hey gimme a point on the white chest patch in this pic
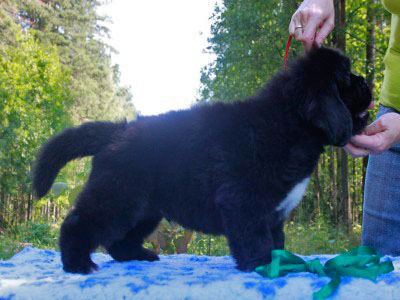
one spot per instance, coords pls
(293, 197)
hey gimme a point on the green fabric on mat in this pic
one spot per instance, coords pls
(361, 262)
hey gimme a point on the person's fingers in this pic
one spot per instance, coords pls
(291, 27)
(381, 134)
(308, 36)
(355, 151)
(327, 27)
(374, 143)
(295, 20)
(374, 127)
(295, 27)
(317, 18)
(296, 31)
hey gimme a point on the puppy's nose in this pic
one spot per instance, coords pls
(371, 105)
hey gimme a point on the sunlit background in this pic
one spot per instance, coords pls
(160, 48)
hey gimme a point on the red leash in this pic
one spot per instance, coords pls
(285, 61)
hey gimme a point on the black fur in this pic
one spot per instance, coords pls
(218, 168)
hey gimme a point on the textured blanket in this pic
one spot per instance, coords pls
(37, 274)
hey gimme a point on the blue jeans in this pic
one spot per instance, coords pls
(381, 214)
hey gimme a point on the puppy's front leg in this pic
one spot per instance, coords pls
(278, 236)
(247, 228)
(250, 242)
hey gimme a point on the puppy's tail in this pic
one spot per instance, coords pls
(87, 139)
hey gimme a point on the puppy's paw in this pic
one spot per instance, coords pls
(251, 265)
(140, 253)
(148, 255)
(86, 267)
(145, 254)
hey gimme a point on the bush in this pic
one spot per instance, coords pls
(203, 244)
(8, 246)
(15, 238)
(320, 238)
(304, 239)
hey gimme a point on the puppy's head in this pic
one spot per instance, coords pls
(333, 100)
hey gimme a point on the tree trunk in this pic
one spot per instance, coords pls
(339, 36)
(318, 190)
(345, 213)
(370, 39)
(333, 192)
(345, 217)
(30, 201)
(2, 209)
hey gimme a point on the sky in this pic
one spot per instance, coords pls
(161, 49)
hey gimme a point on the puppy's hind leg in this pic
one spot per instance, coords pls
(77, 241)
(130, 247)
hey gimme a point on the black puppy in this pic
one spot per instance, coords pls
(232, 169)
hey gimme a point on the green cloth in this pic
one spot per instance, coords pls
(361, 262)
(390, 93)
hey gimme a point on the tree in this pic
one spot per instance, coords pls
(55, 71)
(76, 29)
(248, 38)
(34, 92)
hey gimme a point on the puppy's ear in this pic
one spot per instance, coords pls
(326, 111)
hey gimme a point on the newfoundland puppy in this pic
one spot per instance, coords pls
(234, 169)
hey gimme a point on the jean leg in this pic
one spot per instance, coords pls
(381, 214)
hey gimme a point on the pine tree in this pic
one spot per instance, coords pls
(74, 26)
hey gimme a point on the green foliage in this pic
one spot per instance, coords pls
(8, 246)
(65, 189)
(8, 28)
(34, 92)
(38, 235)
(248, 39)
(55, 71)
(203, 244)
(304, 239)
(357, 37)
(320, 238)
(301, 238)
(169, 238)
(76, 29)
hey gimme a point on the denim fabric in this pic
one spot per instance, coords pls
(381, 214)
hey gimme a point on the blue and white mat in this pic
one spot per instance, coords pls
(37, 274)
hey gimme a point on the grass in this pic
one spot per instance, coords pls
(305, 239)
(41, 235)
(320, 238)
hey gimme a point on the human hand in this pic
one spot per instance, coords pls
(377, 137)
(311, 16)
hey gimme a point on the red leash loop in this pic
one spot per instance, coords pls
(285, 62)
